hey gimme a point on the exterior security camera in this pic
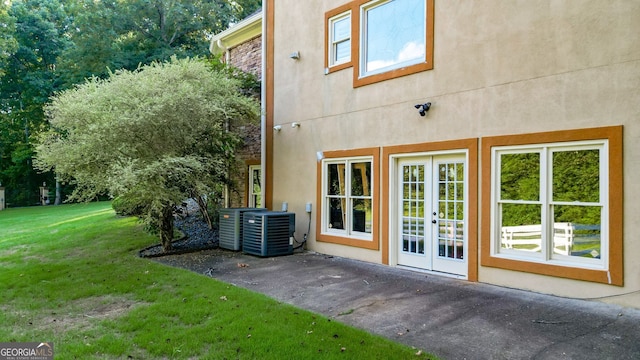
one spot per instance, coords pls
(423, 108)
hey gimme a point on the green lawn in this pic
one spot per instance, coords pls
(70, 274)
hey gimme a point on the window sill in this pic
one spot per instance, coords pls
(338, 67)
(552, 269)
(371, 244)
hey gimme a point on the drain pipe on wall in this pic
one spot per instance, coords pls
(307, 208)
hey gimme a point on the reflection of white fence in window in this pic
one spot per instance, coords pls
(529, 237)
(451, 238)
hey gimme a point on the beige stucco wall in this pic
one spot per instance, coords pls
(499, 68)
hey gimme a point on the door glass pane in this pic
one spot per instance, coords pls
(521, 227)
(459, 210)
(520, 176)
(450, 231)
(459, 172)
(576, 175)
(577, 231)
(459, 190)
(451, 172)
(451, 191)
(413, 209)
(450, 239)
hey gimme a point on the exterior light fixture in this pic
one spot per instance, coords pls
(295, 125)
(423, 108)
(277, 127)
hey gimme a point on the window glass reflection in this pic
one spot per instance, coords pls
(395, 35)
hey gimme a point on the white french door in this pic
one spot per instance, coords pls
(430, 226)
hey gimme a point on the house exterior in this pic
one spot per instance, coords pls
(241, 47)
(485, 140)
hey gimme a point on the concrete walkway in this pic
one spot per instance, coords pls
(450, 318)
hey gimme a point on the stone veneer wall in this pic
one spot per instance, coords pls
(247, 57)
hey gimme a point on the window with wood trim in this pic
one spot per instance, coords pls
(340, 39)
(392, 35)
(389, 39)
(347, 203)
(552, 204)
(348, 198)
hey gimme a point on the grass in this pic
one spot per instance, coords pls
(70, 274)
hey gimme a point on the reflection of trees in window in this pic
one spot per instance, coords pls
(576, 178)
(520, 176)
(520, 180)
(571, 194)
(349, 196)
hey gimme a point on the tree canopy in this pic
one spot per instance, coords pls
(152, 137)
(123, 34)
(47, 46)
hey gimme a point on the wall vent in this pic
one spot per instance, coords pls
(230, 226)
(268, 233)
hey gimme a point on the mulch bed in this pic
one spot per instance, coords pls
(197, 237)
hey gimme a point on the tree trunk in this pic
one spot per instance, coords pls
(58, 193)
(166, 229)
(202, 204)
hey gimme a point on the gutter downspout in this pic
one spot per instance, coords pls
(263, 111)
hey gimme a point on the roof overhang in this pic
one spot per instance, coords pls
(237, 34)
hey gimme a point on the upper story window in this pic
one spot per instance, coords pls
(381, 39)
(340, 39)
(392, 35)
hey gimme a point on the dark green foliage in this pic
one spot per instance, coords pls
(47, 46)
(575, 178)
(126, 207)
(27, 79)
(152, 137)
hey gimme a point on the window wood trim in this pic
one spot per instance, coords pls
(614, 274)
(248, 164)
(354, 6)
(403, 71)
(327, 32)
(374, 243)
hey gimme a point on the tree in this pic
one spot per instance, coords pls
(8, 43)
(123, 34)
(27, 79)
(151, 137)
(51, 45)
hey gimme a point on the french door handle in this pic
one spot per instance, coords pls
(434, 221)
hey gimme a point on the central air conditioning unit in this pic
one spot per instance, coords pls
(231, 227)
(268, 233)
